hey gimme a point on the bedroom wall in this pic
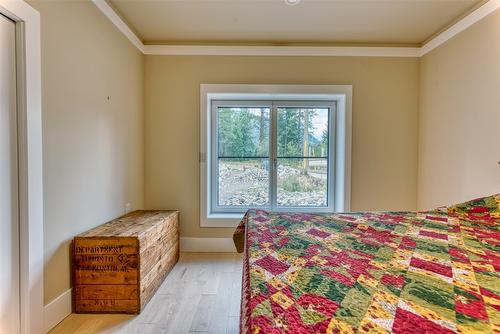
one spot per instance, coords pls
(93, 147)
(459, 123)
(384, 147)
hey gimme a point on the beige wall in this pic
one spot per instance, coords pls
(93, 147)
(384, 150)
(459, 131)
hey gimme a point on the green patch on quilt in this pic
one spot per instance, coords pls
(488, 281)
(336, 291)
(471, 242)
(400, 229)
(478, 325)
(384, 253)
(364, 247)
(433, 248)
(335, 225)
(310, 317)
(297, 243)
(354, 305)
(429, 224)
(303, 279)
(430, 293)
(263, 308)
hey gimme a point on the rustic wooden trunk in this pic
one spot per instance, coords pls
(118, 266)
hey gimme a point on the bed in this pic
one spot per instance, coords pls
(372, 272)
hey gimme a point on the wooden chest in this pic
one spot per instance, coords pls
(118, 266)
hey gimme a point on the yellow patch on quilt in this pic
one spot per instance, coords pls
(299, 262)
(338, 326)
(401, 259)
(380, 313)
(364, 280)
(430, 258)
(258, 272)
(466, 285)
(319, 260)
(282, 257)
(378, 265)
(256, 329)
(282, 300)
(370, 327)
(277, 283)
(491, 301)
(468, 330)
(485, 266)
(291, 277)
(331, 245)
(475, 250)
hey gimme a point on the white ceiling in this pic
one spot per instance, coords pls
(274, 21)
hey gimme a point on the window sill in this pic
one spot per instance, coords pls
(230, 220)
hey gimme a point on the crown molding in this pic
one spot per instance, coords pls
(315, 51)
(110, 13)
(265, 50)
(473, 17)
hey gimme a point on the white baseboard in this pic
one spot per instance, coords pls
(55, 311)
(217, 245)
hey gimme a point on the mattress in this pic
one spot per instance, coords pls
(372, 272)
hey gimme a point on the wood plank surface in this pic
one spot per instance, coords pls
(132, 224)
(152, 281)
(112, 291)
(106, 306)
(118, 266)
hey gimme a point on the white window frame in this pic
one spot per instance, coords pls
(273, 107)
(341, 95)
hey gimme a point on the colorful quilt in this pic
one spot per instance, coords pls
(373, 272)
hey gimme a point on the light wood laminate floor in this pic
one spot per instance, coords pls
(200, 295)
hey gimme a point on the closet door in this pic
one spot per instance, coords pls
(9, 221)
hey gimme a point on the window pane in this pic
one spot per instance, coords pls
(243, 182)
(303, 132)
(302, 182)
(243, 132)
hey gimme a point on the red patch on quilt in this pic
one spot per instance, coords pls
(380, 236)
(408, 243)
(490, 294)
(397, 281)
(432, 234)
(472, 308)
(272, 265)
(494, 260)
(458, 255)
(320, 304)
(346, 280)
(439, 219)
(318, 233)
(409, 323)
(478, 209)
(431, 266)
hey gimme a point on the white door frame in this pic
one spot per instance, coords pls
(29, 115)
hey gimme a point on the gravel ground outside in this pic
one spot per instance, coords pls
(247, 184)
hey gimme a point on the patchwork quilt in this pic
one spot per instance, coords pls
(372, 272)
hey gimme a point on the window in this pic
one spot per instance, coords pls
(271, 154)
(280, 148)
